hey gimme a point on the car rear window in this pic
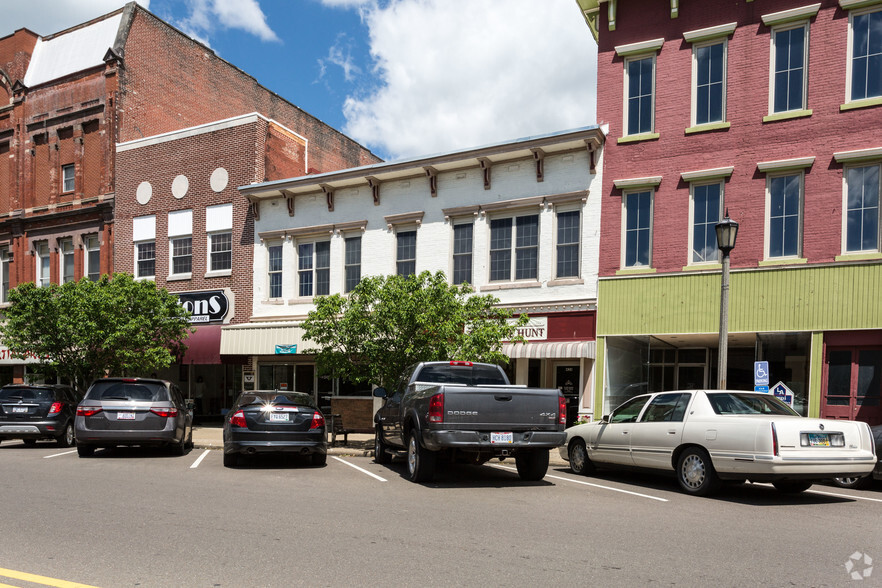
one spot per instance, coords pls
(115, 390)
(735, 403)
(293, 398)
(30, 394)
(469, 375)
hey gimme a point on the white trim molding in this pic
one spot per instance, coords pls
(785, 164)
(859, 155)
(710, 32)
(629, 183)
(707, 174)
(641, 47)
(792, 15)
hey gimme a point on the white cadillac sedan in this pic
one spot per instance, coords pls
(710, 436)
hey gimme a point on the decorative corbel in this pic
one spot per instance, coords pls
(329, 195)
(289, 200)
(591, 144)
(374, 184)
(539, 158)
(432, 174)
(486, 166)
(611, 13)
(254, 205)
(675, 8)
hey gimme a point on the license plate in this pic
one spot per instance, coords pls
(501, 438)
(125, 416)
(19, 409)
(819, 440)
(278, 416)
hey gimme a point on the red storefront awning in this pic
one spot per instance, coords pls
(203, 346)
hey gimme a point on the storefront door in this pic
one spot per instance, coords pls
(853, 387)
(566, 379)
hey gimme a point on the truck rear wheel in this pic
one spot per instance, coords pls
(420, 461)
(532, 465)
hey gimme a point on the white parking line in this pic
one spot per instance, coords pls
(57, 454)
(199, 460)
(836, 494)
(589, 484)
(359, 469)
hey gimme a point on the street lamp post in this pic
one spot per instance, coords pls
(727, 231)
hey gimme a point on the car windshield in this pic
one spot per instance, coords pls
(469, 375)
(117, 390)
(29, 394)
(746, 403)
(273, 397)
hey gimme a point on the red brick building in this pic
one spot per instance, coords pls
(769, 109)
(67, 100)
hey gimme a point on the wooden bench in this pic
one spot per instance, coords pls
(338, 429)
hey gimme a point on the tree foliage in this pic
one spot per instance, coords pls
(84, 330)
(388, 323)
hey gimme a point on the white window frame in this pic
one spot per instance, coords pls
(212, 271)
(138, 246)
(5, 271)
(804, 24)
(180, 227)
(144, 233)
(313, 269)
(850, 55)
(724, 41)
(43, 260)
(91, 244)
(346, 264)
(768, 209)
(65, 252)
(218, 222)
(513, 248)
(68, 174)
(461, 222)
(560, 209)
(624, 234)
(269, 244)
(625, 127)
(692, 185)
(878, 248)
(407, 228)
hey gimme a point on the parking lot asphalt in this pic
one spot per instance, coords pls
(357, 444)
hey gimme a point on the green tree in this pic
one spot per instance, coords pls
(84, 330)
(388, 323)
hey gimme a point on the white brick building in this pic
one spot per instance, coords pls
(518, 220)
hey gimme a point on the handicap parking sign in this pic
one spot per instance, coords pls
(760, 373)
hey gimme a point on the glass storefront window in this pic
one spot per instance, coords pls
(788, 357)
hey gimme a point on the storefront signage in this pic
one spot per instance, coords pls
(760, 373)
(286, 349)
(784, 393)
(536, 328)
(205, 307)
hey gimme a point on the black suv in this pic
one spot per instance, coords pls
(38, 411)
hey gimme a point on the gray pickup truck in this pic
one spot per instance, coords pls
(464, 411)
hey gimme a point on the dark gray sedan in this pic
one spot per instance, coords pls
(133, 411)
(38, 411)
(274, 421)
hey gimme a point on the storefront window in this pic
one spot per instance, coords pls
(272, 376)
(626, 363)
(788, 357)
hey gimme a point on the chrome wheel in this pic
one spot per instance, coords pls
(579, 462)
(412, 455)
(693, 471)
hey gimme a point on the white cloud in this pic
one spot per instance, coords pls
(340, 54)
(46, 17)
(453, 74)
(206, 15)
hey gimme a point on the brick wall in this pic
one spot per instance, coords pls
(748, 140)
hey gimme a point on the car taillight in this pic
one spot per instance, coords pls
(774, 440)
(238, 420)
(436, 408)
(87, 411)
(55, 408)
(562, 410)
(465, 363)
(164, 412)
(318, 421)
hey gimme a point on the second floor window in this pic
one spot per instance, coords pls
(4, 274)
(785, 203)
(514, 248)
(146, 253)
(568, 244)
(92, 245)
(352, 263)
(710, 87)
(405, 259)
(43, 261)
(462, 253)
(638, 229)
(705, 216)
(789, 58)
(221, 254)
(66, 249)
(640, 88)
(866, 55)
(67, 178)
(314, 268)
(274, 270)
(862, 208)
(182, 255)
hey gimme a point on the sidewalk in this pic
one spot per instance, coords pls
(359, 444)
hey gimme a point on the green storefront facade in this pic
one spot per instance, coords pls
(819, 326)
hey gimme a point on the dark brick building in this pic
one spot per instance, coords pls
(67, 197)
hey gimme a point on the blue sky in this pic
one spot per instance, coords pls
(403, 77)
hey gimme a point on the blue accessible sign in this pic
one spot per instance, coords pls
(760, 373)
(764, 389)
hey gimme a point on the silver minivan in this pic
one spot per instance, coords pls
(133, 411)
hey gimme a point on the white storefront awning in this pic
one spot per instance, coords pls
(260, 338)
(550, 350)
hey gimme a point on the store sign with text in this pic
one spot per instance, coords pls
(536, 328)
(205, 307)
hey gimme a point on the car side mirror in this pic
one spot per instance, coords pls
(605, 419)
(379, 393)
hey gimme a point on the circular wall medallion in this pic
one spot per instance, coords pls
(219, 179)
(180, 185)
(144, 193)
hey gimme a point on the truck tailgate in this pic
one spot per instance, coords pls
(509, 408)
